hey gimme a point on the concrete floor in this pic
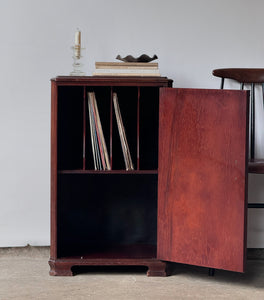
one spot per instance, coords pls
(24, 275)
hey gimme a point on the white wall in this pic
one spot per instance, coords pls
(190, 37)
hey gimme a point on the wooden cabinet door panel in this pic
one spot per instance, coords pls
(202, 179)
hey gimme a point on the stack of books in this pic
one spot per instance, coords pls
(126, 69)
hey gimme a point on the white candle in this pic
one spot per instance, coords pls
(77, 46)
(78, 37)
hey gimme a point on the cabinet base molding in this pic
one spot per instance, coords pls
(63, 266)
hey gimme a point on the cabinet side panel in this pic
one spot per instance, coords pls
(53, 194)
(202, 177)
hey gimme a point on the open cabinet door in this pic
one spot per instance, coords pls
(202, 177)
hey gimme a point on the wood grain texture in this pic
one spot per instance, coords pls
(202, 177)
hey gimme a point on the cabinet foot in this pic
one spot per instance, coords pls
(157, 269)
(61, 269)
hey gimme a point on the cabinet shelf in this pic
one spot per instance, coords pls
(118, 252)
(108, 172)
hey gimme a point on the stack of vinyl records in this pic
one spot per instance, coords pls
(99, 149)
(122, 135)
(100, 154)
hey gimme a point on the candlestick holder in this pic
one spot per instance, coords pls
(77, 61)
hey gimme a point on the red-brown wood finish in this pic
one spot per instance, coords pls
(63, 267)
(118, 256)
(142, 255)
(203, 177)
(112, 81)
(53, 183)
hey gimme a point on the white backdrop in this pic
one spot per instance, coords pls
(190, 37)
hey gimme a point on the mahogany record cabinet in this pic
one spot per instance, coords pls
(185, 201)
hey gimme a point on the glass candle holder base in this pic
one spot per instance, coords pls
(77, 62)
(77, 73)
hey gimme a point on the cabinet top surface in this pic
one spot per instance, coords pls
(111, 80)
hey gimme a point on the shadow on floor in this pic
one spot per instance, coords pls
(254, 275)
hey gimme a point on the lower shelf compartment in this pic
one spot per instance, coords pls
(96, 212)
(117, 252)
